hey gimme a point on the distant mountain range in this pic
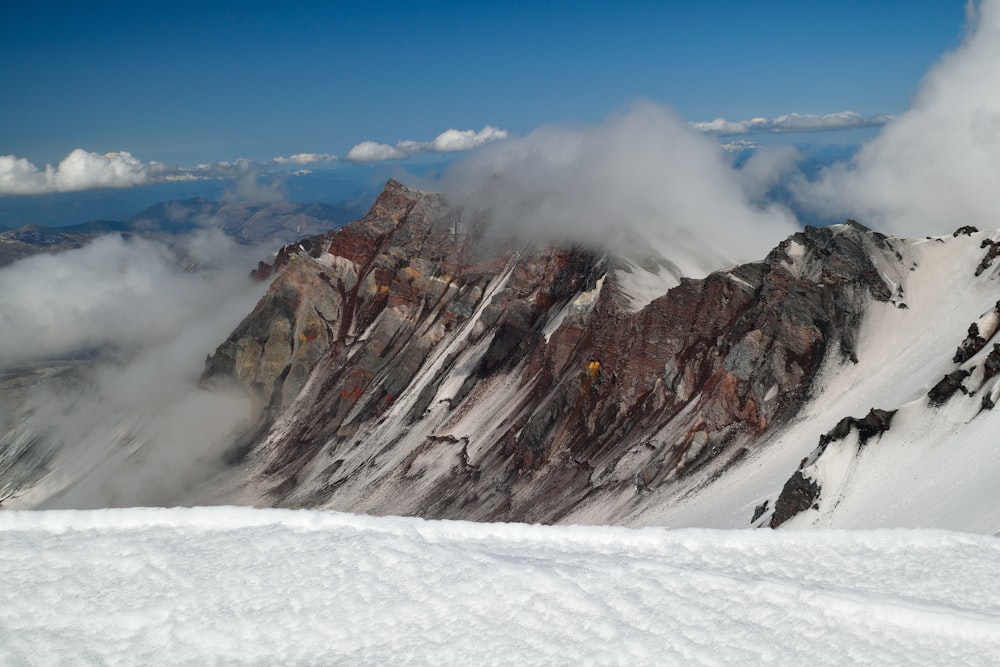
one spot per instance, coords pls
(278, 223)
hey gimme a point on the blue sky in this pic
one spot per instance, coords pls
(184, 83)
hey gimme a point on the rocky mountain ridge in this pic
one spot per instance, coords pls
(418, 362)
(404, 365)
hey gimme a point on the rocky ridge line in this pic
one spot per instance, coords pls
(381, 352)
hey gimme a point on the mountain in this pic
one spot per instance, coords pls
(417, 362)
(31, 240)
(410, 363)
(276, 223)
(284, 222)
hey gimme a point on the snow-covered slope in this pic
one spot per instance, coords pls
(937, 465)
(242, 586)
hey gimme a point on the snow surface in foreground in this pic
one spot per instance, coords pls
(227, 585)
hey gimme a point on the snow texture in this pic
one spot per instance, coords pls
(244, 586)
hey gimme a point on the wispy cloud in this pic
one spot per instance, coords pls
(222, 169)
(792, 122)
(256, 186)
(449, 141)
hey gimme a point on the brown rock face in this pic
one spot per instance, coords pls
(406, 365)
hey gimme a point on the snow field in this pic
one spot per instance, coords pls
(244, 586)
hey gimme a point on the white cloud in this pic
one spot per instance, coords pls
(936, 166)
(792, 122)
(371, 151)
(449, 141)
(304, 158)
(80, 170)
(726, 127)
(765, 169)
(83, 170)
(464, 140)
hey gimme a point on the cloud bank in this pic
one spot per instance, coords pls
(85, 170)
(449, 141)
(646, 172)
(136, 427)
(62, 305)
(304, 158)
(936, 166)
(793, 122)
(80, 170)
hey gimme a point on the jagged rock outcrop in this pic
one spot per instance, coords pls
(992, 364)
(973, 343)
(801, 491)
(875, 422)
(949, 384)
(411, 363)
(799, 494)
(992, 252)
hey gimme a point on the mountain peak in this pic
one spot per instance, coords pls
(519, 374)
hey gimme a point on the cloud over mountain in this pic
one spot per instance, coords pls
(646, 171)
(111, 281)
(139, 323)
